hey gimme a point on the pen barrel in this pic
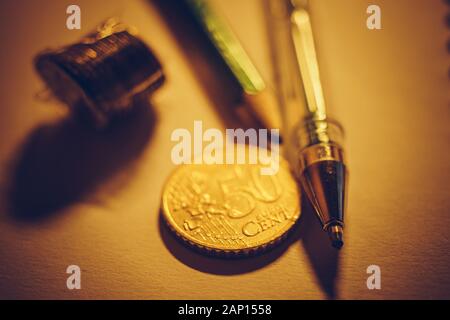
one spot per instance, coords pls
(321, 170)
(313, 140)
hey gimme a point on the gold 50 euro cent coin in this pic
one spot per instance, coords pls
(227, 209)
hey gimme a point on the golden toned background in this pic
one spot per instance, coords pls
(70, 196)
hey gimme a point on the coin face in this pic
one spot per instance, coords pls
(225, 208)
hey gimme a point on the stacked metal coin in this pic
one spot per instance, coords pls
(101, 75)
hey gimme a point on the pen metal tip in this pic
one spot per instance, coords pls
(336, 234)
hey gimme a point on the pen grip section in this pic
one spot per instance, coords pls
(311, 131)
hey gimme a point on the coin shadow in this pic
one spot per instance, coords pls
(324, 259)
(221, 265)
(63, 162)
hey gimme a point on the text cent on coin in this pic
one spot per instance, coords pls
(230, 209)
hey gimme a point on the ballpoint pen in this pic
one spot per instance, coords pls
(256, 95)
(313, 139)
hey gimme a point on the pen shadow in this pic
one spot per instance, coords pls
(214, 76)
(63, 162)
(447, 24)
(222, 265)
(324, 259)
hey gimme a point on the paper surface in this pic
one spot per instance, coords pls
(389, 88)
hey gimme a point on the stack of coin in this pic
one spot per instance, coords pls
(100, 75)
(230, 210)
